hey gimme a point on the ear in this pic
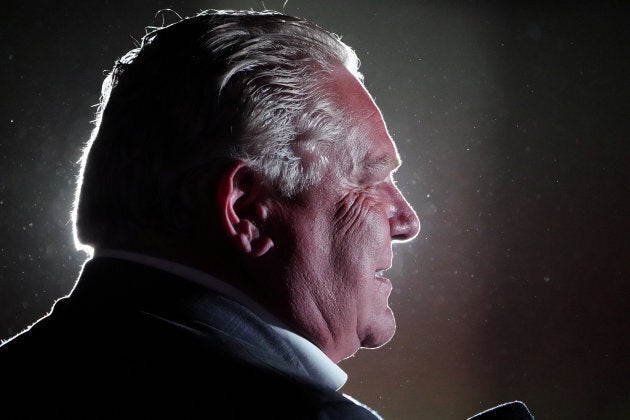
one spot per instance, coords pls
(242, 198)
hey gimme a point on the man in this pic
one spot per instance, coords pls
(237, 193)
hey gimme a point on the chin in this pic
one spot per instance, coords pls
(381, 331)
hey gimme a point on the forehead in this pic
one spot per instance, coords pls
(370, 143)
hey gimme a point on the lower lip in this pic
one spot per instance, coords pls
(384, 281)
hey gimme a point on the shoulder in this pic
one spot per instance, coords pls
(162, 348)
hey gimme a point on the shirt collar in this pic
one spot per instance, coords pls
(319, 367)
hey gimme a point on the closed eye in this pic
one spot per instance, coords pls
(380, 169)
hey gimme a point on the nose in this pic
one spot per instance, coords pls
(404, 222)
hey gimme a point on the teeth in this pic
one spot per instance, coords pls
(380, 273)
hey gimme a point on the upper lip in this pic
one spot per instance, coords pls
(379, 271)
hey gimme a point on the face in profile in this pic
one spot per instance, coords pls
(342, 230)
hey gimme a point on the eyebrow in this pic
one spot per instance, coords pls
(387, 163)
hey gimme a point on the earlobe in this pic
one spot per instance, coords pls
(242, 199)
(260, 246)
(250, 240)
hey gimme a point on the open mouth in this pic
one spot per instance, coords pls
(382, 281)
(379, 274)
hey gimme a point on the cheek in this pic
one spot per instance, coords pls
(352, 215)
(361, 229)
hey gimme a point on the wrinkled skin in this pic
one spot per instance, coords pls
(340, 235)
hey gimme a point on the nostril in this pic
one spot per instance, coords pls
(405, 227)
(404, 222)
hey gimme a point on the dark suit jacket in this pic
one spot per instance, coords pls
(133, 341)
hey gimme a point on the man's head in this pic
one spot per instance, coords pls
(245, 144)
(217, 87)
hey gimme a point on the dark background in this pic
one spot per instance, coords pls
(513, 122)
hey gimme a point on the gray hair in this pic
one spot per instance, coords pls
(213, 88)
